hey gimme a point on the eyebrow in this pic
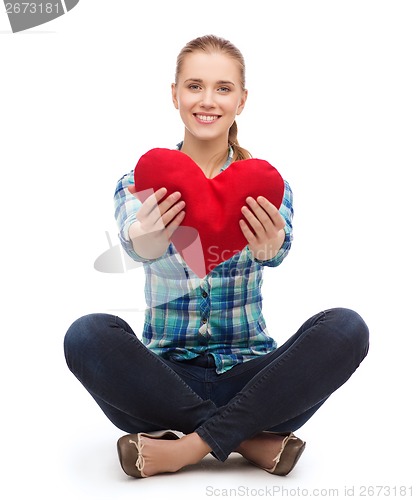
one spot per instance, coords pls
(220, 82)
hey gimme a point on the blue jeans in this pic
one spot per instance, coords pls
(279, 391)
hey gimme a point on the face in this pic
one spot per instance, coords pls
(209, 94)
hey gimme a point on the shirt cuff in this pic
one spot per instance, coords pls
(273, 262)
(279, 257)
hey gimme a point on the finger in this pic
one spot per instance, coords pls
(253, 220)
(151, 203)
(157, 216)
(176, 222)
(267, 206)
(260, 212)
(169, 202)
(167, 210)
(247, 232)
(272, 211)
(170, 215)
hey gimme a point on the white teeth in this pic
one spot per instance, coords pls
(206, 118)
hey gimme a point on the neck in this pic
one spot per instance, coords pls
(210, 156)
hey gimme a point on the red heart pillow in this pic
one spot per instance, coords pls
(213, 206)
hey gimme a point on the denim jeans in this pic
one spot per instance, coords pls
(279, 391)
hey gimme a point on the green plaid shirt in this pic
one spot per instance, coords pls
(220, 314)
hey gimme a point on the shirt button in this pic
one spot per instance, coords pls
(204, 320)
(204, 294)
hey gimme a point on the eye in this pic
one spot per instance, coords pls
(194, 86)
(224, 90)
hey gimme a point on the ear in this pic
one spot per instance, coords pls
(174, 97)
(242, 101)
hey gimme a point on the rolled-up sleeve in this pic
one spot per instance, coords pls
(286, 211)
(126, 206)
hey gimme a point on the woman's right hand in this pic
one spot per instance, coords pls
(157, 219)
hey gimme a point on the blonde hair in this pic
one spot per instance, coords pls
(209, 44)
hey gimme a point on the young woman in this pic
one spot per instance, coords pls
(206, 366)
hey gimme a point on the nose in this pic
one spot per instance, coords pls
(207, 99)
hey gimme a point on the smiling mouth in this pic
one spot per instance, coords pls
(206, 118)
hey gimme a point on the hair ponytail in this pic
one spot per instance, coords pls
(239, 152)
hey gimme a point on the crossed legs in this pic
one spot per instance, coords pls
(139, 392)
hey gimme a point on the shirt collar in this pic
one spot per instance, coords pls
(226, 164)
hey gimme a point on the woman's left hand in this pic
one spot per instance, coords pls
(265, 229)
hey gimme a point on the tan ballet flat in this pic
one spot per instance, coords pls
(130, 447)
(288, 456)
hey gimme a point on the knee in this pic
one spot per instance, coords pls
(83, 334)
(352, 329)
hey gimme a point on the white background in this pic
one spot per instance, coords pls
(331, 104)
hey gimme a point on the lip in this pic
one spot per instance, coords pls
(206, 118)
